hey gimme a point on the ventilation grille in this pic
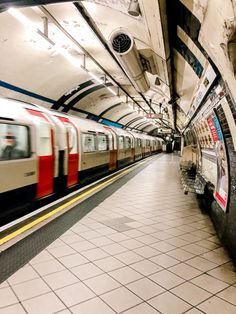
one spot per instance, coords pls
(121, 43)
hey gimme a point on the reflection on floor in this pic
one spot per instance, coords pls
(146, 249)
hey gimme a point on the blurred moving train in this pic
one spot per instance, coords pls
(45, 153)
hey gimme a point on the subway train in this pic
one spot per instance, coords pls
(45, 154)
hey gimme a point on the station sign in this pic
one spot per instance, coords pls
(154, 115)
(168, 131)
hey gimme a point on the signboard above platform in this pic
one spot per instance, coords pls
(154, 115)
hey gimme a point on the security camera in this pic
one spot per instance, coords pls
(134, 8)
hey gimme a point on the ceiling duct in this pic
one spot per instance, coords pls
(123, 46)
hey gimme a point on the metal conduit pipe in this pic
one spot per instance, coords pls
(93, 27)
(125, 115)
(139, 124)
(132, 121)
(144, 127)
(110, 108)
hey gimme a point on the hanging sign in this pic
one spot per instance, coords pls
(154, 115)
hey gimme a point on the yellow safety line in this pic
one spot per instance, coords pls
(60, 208)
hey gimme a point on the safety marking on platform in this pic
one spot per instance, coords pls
(60, 208)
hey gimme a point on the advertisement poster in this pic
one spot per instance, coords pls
(206, 82)
(222, 187)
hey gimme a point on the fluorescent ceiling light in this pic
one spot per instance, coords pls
(21, 18)
(67, 55)
(98, 80)
(95, 77)
(27, 23)
(91, 7)
(61, 39)
(111, 90)
(30, 25)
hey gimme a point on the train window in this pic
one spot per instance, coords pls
(14, 142)
(138, 142)
(110, 139)
(127, 142)
(147, 143)
(44, 133)
(121, 142)
(102, 142)
(44, 146)
(132, 142)
(89, 142)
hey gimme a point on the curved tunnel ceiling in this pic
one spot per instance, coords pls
(57, 54)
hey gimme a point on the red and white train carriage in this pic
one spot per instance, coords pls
(46, 153)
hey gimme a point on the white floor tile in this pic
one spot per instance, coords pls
(7, 297)
(101, 284)
(145, 288)
(121, 299)
(92, 306)
(169, 304)
(30, 289)
(74, 294)
(45, 304)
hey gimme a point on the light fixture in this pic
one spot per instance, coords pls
(99, 80)
(134, 8)
(90, 7)
(130, 106)
(31, 26)
(64, 52)
(157, 81)
(111, 90)
(21, 18)
(94, 76)
(67, 55)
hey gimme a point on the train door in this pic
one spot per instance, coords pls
(132, 148)
(45, 153)
(149, 147)
(139, 154)
(72, 152)
(128, 155)
(143, 148)
(112, 149)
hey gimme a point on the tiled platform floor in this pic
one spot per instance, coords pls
(146, 249)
